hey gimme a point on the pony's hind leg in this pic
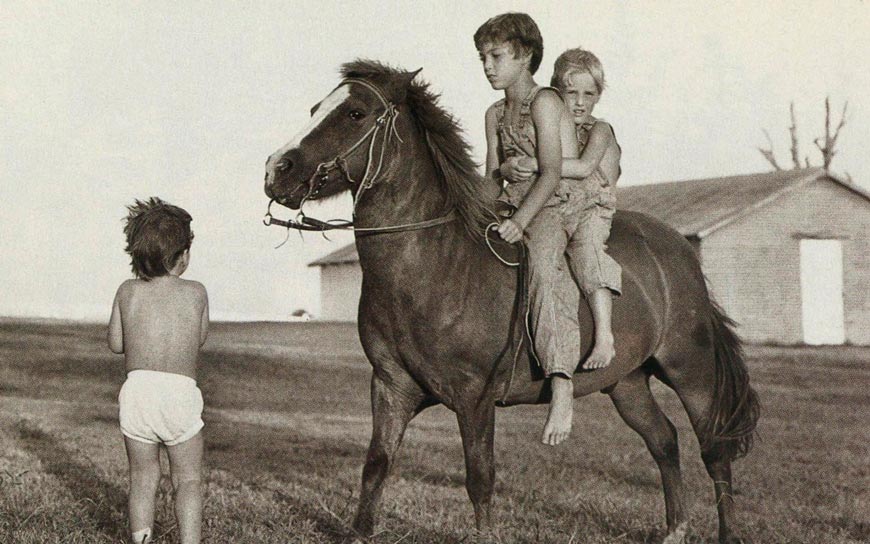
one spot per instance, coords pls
(639, 409)
(709, 399)
(696, 395)
(392, 409)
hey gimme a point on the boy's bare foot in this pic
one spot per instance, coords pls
(558, 425)
(602, 353)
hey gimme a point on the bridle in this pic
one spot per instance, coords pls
(386, 122)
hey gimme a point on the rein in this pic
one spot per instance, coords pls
(387, 122)
(303, 222)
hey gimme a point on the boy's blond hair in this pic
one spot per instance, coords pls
(157, 234)
(577, 61)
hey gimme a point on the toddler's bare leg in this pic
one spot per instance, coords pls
(185, 462)
(603, 350)
(558, 425)
(144, 479)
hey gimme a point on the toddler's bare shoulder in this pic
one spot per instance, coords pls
(196, 288)
(128, 287)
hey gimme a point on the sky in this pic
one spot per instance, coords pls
(105, 102)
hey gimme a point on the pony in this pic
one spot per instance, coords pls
(439, 314)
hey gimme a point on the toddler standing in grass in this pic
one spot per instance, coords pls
(159, 321)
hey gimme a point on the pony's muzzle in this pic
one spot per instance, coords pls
(280, 167)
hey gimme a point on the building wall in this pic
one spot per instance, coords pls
(340, 286)
(753, 265)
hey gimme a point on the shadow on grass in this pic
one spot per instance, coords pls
(408, 469)
(249, 452)
(98, 500)
(335, 527)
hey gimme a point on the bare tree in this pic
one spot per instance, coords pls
(827, 149)
(826, 145)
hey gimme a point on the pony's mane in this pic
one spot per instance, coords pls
(450, 152)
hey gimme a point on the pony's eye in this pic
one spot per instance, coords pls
(356, 115)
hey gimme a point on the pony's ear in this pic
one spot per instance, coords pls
(402, 83)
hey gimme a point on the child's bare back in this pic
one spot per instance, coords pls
(164, 323)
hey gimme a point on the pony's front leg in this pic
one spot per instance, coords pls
(477, 427)
(392, 409)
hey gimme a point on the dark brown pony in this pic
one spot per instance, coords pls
(438, 314)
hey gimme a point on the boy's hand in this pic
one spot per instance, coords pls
(517, 169)
(510, 232)
(528, 164)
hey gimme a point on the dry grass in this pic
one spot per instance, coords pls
(288, 423)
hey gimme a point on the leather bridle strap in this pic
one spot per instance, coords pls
(386, 121)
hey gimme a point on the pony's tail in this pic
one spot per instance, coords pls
(734, 409)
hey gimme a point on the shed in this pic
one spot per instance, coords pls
(785, 253)
(340, 284)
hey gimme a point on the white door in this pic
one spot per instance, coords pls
(822, 291)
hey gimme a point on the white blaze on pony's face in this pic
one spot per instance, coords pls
(327, 106)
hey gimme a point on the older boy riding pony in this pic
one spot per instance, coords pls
(438, 315)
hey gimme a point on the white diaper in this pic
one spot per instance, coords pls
(160, 407)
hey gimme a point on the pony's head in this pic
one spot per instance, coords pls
(354, 136)
(347, 140)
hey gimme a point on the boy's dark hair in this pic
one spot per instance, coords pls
(517, 29)
(157, 233)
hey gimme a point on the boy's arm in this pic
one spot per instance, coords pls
(203, 328)
(116, 332)
(600, 138)
(493, 176)
(547, 112)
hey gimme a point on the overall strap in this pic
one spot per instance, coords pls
(619, 147)
(499, 112)
(583, 131)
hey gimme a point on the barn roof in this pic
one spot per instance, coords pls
(700, 206)
(345, 255)
(695, 207)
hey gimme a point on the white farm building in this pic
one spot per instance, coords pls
(786, 254)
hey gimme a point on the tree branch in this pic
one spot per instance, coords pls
(827, 149)
(795, 154)
(840, 125)
(768, 153)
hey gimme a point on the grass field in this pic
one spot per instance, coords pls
(287, 426)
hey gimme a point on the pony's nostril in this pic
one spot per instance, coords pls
(284, 164)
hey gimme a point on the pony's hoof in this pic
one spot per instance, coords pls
(677, 536)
